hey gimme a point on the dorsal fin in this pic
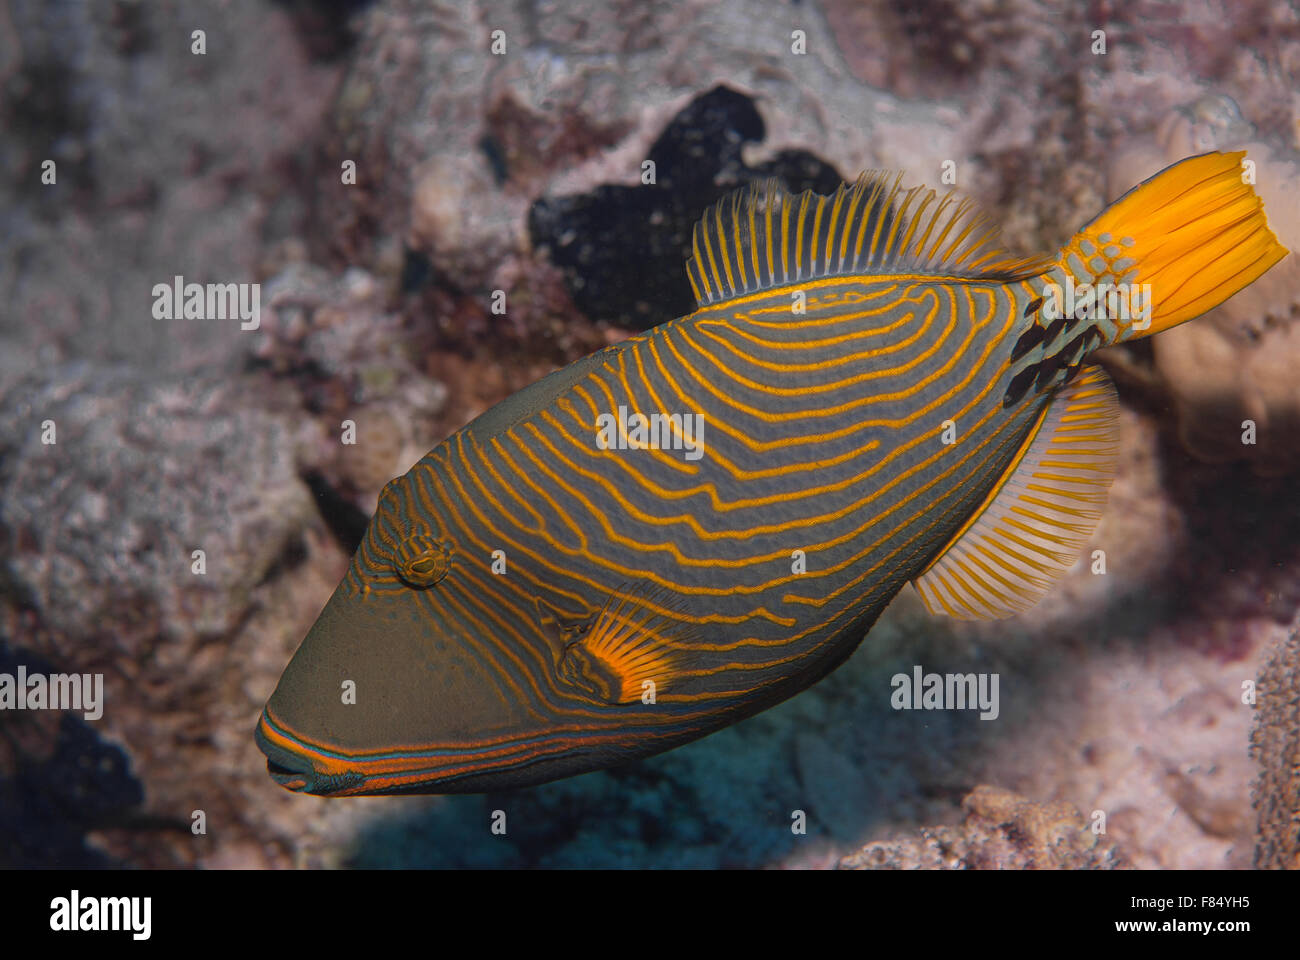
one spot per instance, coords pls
(1033, 524)
(760, 237)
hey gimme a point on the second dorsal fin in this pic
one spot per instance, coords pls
(760, 237)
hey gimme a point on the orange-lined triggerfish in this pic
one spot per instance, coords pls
(694, 524)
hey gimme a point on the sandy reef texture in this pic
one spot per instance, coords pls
(1001, 831)
(1276, 746)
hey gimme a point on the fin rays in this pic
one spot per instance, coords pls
(626, 644)
(1196, 233)
(762, 237)
(1029, 531)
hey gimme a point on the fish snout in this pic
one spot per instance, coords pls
(386, 695)
(288, 769)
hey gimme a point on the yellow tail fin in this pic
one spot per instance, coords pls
(1175, 246)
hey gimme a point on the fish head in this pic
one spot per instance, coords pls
(403, 683)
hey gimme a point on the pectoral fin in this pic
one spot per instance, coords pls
(635, 639)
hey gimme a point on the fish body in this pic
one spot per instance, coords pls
(692, 525)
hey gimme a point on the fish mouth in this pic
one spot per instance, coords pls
(289, 779)
(285, 767)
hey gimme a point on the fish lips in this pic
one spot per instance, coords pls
(295, 772)
(285, 767)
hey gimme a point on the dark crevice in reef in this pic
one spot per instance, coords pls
(290, 558)
(623, 249)
(52, 794)
(418, 272)
(345, 520)
(326, 28)
(39, 107)
(495, 155)
(1242, 543)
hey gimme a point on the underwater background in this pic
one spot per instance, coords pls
(382, 169)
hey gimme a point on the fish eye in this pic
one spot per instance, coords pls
(422, 561)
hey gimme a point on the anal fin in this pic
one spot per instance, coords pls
(1032, 525)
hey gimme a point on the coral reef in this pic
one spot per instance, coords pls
(99, 532)
(358, 373)
(1001, 831)
(99, 526)
(1276, 745)
(59, 782)
(167, 163)
(622, 248)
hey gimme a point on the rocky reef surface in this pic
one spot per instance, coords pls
(1276, 746)
(433, 226)
(1001, 831)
